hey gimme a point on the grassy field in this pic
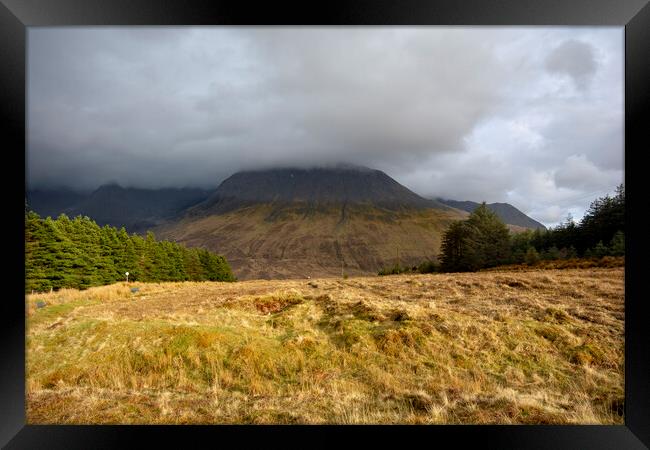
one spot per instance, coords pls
(537, 346)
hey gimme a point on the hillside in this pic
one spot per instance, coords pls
(533, 347)
(299, 240)
(287, 223)
(506, 212)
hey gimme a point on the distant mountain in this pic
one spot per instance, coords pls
(506, 212)
(135, 209)
(52, 202)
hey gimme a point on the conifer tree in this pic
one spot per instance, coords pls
(532, 257)
(600, 250)
(78, 253)
(552, 253)
(483, 240)
(571, 252)
(459, 252)
(617, 244)
(193, 266)
(492, 237)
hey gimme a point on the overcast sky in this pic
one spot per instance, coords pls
(532, 116)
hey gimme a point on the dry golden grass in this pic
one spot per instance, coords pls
(542, 346)
(573, 263)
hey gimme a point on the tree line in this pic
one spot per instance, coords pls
(78, 253)
(484, 240)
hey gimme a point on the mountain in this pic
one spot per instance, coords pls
(135, 209)
(506, 212)
(317, 186)
(52, 202)
(284, 223)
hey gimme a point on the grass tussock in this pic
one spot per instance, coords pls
(542, 346)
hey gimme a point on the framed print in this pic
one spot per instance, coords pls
(386, 219)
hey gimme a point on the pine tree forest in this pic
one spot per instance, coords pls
(78, 253)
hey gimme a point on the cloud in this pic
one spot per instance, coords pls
(467, 113)
(551, 214)
(574, 58)
(579, 173)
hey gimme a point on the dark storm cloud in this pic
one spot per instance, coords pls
(529, 116)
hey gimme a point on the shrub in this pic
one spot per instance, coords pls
(394, 270)
(428, 267)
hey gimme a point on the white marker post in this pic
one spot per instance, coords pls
(127, 276)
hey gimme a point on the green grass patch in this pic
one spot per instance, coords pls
(51, 312)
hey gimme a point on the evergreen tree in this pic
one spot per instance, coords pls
(603, 219)
(140, 263)
(600, 250)
(78, 253)
(482, 240)
(51, 259)
(458, 249)
(492, 237)
(552, 253)
(617, 244)
(193, 266)
(532, 257)
(571, 252)
(113, 249)
(129, 260)
(519, 243)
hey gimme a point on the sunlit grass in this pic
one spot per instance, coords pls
(541, 346)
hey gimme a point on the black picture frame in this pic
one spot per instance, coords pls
(634, 15)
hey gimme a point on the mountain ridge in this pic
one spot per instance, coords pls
(136, 209)
(506, 212)
(142, 207)
(288, 222)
